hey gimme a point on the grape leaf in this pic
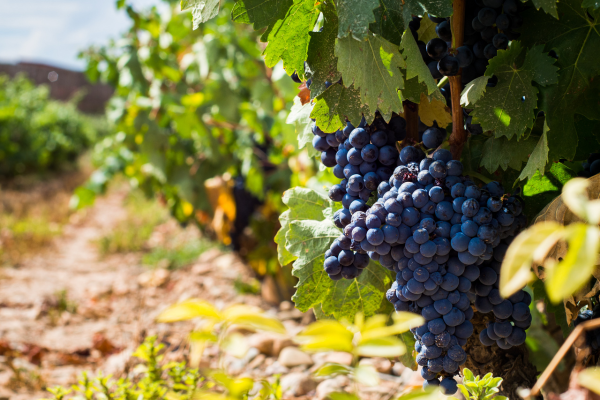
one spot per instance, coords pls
(321, 60)
(299, 116)
(549, 6)
(438, 8)
(542, 189)
(504, 153)
(288, 38)
(308, 240)
(389, 23)
(595, 4)
(355, 17)
(202, 10)
(260, 13)
(426, 30)
(538, 158)
(364, 294)
(434, 110)
(374, 68)
(508, 108)
(473, 90)
(304, 204)
(576, 40)
(415, 66)
(337, 103)
(239, 13)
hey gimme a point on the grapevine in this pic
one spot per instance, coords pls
(424, 112)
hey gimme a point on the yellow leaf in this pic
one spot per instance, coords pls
(434, 111)
(189, 309)
(326, 335)
(516, 267)
(575, 195)
(402, 322)
(590, 379)
(367, 375)
(252, 317)
(192, 100)
(333, 369)
(382, 347)
(576, 268)
(426, 30)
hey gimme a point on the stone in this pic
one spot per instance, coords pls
(269, 344)
(276, 369)
(398, 368)
(297, 384)
(292, 357)
(154, 278)
(339, 357)
(381, 365)
(328, 386)
(286, 306)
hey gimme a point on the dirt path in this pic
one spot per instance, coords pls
(68, 310)
(116, 302)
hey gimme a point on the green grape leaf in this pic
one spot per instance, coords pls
(260, 13)
(389, 23)
(504, 153)
(374, 68)
(508, 108)
(595, 4)
(303, 204)
(538, 158)
(239, 13)
(364, 294)
(337, 103)
(549, 6)
(426, 30)
(473, 91)
(288, 38)
(415, 66)
(321, 60)
(299, 116)
(542, 189)
(576, 40)
(355, 17)
(438, 8)
(308, 240)
(202, 10)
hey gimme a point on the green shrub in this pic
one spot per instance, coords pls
(37, 133)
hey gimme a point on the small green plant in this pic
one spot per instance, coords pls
(372, 337)
(132, 233)
(476, 388)
(177, 257)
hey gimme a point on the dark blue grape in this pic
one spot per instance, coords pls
(503, 310)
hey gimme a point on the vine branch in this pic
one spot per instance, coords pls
(411, 115)
(458, 136)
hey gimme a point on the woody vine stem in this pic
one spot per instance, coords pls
(458, 136)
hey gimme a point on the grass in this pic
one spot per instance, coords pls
(177, 257)
(132, 233)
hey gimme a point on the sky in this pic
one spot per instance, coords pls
(54, 31)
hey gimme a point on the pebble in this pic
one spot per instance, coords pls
(292, 357)
(297, 384)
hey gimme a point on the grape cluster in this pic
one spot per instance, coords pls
(489, 27)
(361, 157)
(591, 167)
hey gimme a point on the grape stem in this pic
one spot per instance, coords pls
(459, 136)
(442, 82)
(411, 115)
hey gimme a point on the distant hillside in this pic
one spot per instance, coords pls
(64, 84)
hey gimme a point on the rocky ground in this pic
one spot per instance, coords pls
(67, 309)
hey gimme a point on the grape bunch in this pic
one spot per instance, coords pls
(489, 27)
(591, 167)
(361, 157)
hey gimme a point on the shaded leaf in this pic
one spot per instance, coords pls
(508, 108)
(337, 103)
(321, 61)
(389, 22)
(504, 153)
(355, 17)
(538, 158)
(415, 66)
(261, 13)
